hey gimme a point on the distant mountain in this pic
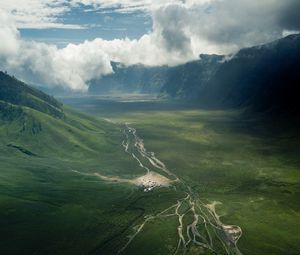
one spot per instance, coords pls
(145, 79)
(186, 81)
(262, 78)
(134, 78)
(16, 93)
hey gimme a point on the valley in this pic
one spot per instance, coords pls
(211, 228)
(224, 173)
(132, 174)
(149, 127)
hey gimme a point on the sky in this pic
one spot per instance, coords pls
(66, 43)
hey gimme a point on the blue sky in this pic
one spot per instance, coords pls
(106, 23)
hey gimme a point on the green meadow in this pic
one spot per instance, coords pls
(51, 202)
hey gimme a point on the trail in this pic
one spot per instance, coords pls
(199, 225)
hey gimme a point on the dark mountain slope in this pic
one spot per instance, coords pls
(264, 77)
(187, 81)
(261, 78)
(15, 92)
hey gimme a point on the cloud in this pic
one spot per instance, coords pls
(40, 14)
(127, 6)
(181, 31)
(70, 67)
(290, 15)
(9, 36)
(46, 65)
(37, 14)
(223, 27)
(170, 24)
(218, 26)
(237, 24)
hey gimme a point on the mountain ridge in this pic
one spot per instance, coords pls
(262, 78)
(14, 92)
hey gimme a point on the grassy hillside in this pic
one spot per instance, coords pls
(48, 205)
(18, 93)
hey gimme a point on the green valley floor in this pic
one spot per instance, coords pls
(138, 175)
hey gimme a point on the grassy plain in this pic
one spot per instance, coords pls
(51, 203)
(251, 165)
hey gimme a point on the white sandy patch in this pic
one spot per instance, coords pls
(151, 180)
(148, 181)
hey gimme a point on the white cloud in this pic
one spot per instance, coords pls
(222, 26)
(134, 5)
(70, 67)
(180, 33)
(37, 13)
(47, 13)
(289, 32)
(47, 65)
(9, 36)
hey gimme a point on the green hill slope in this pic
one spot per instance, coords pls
(18, 93)
(49, 195)
(33, 124)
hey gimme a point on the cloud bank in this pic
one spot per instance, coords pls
(181, 31)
